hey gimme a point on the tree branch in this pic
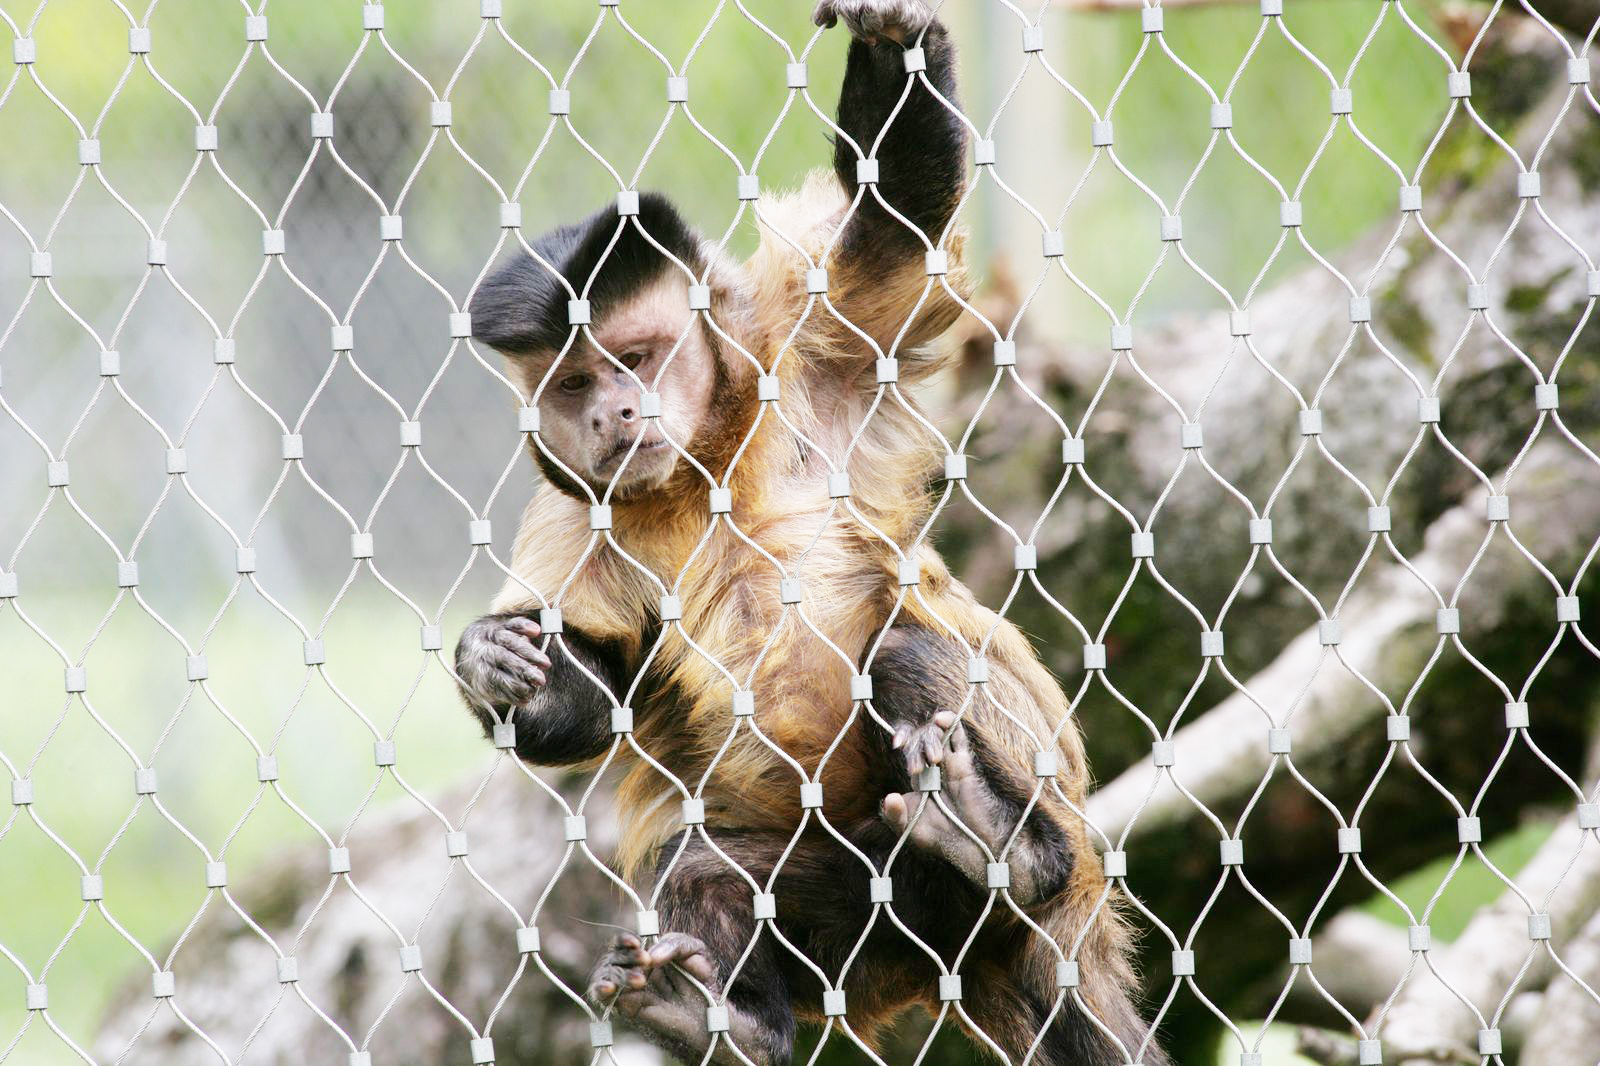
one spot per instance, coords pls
(1388, 631)
(1567, 1026)
(349, 961)
(1495, 951)
(1577, 17)
(1359, 958)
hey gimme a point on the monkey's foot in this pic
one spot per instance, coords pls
(498, 661)
(649, 989)
(922, 744)
(898, 20)
(966, 796)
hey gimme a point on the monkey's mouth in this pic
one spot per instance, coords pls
(647, 446)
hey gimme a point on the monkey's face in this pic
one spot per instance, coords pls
(591, 407)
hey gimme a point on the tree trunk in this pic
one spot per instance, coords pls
(1567, 1026)
(1495, 957)
(348, 960)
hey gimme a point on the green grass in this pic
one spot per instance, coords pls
(1470, 887)
(1276, 1046)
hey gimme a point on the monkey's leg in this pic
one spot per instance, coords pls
(651, 988)
(708, 911)
(919, 678)
(1037, 870)
(973, 821)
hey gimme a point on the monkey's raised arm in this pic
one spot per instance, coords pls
(904, 121)
(921, 155)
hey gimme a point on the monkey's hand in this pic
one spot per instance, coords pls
(498, 662)
(899, 20)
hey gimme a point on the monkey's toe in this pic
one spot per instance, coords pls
(637, 978)
(927, 745)
(685, 951)
(518, 641)
(499, 662)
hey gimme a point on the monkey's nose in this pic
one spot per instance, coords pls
(626, 414)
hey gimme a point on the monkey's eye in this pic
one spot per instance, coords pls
(631, 360)
(574, 382)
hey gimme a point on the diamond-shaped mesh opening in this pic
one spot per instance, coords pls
(1268, 428)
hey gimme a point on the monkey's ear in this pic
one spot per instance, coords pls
(606, 258)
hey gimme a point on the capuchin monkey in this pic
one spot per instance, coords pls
(690, 582)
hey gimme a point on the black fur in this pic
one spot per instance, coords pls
(823, 906)
(922, 160)
(822, 888)
(919, 672)
(703, 895)
(522, 307)
(571, 721)
(1049, 853)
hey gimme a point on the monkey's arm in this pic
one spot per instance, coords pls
(921, 152)
(562, 714)
(907, 123)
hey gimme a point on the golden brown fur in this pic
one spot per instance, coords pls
(730, 591)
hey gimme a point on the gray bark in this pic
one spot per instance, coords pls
(1566, 1028)
(1494, 958)
(1538, 297)
(349, 963)
(1388, 636)
(1428, 1019)
(1358, 960)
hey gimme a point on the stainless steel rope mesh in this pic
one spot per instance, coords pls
(209, 413)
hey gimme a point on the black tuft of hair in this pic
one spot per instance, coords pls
(522, 307)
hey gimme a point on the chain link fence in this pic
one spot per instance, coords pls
(1278, 400)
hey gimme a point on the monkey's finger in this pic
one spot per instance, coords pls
(825, 15)
(944, 719)
(620, 969)
(697, 966)
(958, 739)
(514, 677)
(510, 661)
(920, 751)
(526, 626)
(675, 947)
(895, 811)
(509, 638)
(499, 687)
(613, 981)
(902, 733)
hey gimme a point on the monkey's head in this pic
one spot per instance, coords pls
(642, 338)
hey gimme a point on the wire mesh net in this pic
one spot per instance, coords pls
(1289, 472)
